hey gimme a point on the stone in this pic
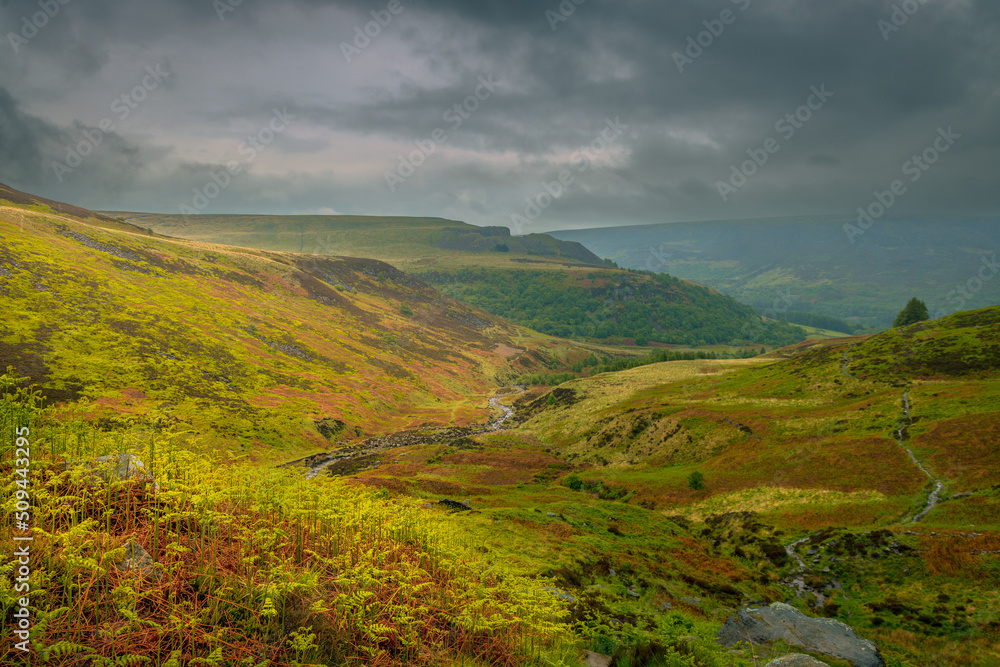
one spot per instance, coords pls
(591, 659)
(562, 595)
(692, 602)
(796, 660)
(454, 505)
(123, 467)
(139, 561)
(780, 621)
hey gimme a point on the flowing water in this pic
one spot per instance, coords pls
(368, 448)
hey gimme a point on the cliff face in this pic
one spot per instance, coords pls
(490, 239)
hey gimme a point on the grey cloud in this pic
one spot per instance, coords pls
(557, 86)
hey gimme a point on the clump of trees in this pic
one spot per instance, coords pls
(914, 311)
(624, 306)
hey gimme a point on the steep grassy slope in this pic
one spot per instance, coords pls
(251, 346)
(593, 489)
(812, 264)
(220, 562)
(556, 287)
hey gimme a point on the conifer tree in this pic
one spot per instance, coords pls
(914, 311)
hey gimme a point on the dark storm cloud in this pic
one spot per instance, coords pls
(561, 75)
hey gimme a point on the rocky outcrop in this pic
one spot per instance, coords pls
(817, 635)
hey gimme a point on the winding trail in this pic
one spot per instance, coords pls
(904, 422)
(902, 436)
(352, 458)
(844, 361)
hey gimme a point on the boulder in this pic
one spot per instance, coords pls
(780, 621)
(122, 467)
(139, 561)
(454, 505)
(796, 660)
(591, 659)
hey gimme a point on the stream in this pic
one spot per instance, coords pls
(790, 550)
(363, 455)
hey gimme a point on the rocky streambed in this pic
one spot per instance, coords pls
(364, 455)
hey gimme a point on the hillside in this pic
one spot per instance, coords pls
(556, 287)
(854, 478)
(253, 347)
(813, 265)
(808, 443)
(407, 243)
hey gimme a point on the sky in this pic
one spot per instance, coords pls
(537, 115)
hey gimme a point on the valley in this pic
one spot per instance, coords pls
(816, 264)
(347, 472)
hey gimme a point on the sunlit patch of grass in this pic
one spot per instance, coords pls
(770, 498)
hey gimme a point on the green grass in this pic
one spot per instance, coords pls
(556, 287)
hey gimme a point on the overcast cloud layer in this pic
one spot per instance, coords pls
(885, 79)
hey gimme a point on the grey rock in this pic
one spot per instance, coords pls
(692, 602)
(824, 636)
(796, 660)
(961, 495)
(562, 595)
(122, 467)
(139, 561)
(453, 505)
(591, 659)
(665, 606)
(632, 592)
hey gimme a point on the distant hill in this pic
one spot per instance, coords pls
(811, 264)
(400, 241)
(556, 287)
(244, 345)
